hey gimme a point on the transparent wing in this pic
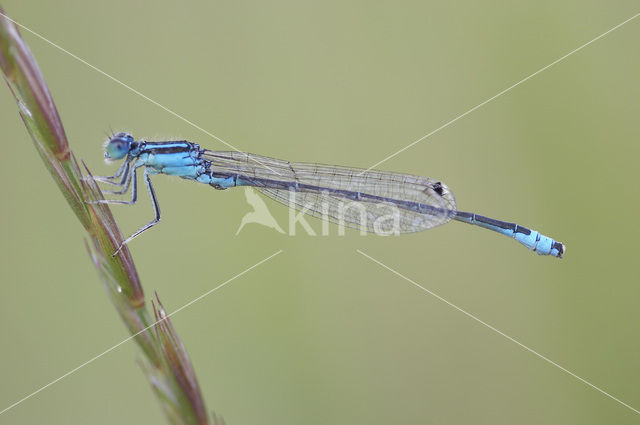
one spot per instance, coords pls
(375, 201)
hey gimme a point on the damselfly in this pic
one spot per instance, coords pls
(373, 201)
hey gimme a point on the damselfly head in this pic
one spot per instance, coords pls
(118, 146)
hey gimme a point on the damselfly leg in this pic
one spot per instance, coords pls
(132, 177)
(129, 178)
(122, 171)
(156, 210)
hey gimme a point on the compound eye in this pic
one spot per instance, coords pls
(118, 146)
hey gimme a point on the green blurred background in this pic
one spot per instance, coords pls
(320, 334)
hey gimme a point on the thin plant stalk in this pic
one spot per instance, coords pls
(166, 363)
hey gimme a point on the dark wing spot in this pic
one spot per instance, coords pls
(437, 187)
